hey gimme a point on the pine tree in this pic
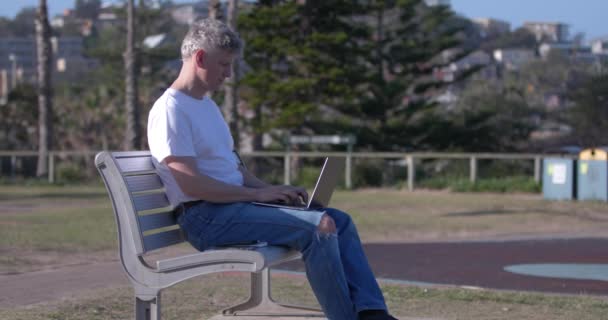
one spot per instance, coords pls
(302, 56)
(589, 115)
(410, 42)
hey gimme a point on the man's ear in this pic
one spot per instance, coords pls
(199, 58)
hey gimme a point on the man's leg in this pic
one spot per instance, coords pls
(207, 225)
(363, 287)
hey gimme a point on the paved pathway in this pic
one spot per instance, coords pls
(482, 263)
(40, 286)
(479, 264)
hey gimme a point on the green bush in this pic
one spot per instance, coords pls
(268, 169)
(445, 168)
(437, 182)
(507, 184)
(307, 177)
(21, 181)
(495, 168)
(367, 174)
(69, 172)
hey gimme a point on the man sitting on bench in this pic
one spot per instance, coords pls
(192, 150)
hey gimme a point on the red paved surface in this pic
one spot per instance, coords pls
(481, 263)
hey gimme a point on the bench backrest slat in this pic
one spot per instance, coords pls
(132, 165)
(145, 182)
(157, 220)
(150, 201)
(163, 239)
(134, 173)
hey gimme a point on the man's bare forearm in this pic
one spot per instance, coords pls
(200, 186)
(252, 181)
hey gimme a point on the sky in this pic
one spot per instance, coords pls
(586, 16)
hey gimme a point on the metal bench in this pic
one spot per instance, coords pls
(146, 223)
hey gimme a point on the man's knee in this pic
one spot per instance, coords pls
(327, 225)
(341, 219)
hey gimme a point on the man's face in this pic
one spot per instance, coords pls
(216, 67)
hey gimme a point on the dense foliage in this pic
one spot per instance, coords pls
(366, 68)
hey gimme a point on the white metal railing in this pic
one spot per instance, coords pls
(410, 159)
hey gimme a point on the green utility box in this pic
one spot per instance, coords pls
(559, 179)
(593, 174)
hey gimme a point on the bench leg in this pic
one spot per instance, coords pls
(147, 306)
(260, 302)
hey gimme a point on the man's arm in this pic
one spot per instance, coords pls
(200, 186)
(250, 180)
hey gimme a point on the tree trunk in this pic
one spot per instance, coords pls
(231, 90)
(379, 41)
(45, 103)
(215, 9)
(133, 133)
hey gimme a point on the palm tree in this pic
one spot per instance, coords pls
(45, 103)
(231, 90)
(215, 9)
(133, 133)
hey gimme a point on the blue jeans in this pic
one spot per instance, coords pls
(336, 266)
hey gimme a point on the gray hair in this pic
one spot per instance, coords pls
(209, 35)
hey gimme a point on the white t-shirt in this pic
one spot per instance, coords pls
(182, 126)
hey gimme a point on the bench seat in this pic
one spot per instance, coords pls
(254, 260)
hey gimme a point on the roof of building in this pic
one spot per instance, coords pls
(154, 41)
(600, 38)
(545, 22)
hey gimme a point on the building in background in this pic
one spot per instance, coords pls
(513, 59)
(437, 2)
(568, 49)
(490, 28)
(188, 13)
(70, 62)
(18, 60)
(549, 31)
(600, 45)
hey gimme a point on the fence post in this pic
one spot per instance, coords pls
(411, 172)
(51, 167)
(473, 169)
(286, 168)
(348, 171)
(537, 169)
(13, 165)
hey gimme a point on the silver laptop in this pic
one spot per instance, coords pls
(326, 183)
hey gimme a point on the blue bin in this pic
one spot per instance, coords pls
(559, 179)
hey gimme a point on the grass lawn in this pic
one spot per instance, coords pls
(46, 226)
(401, 216)
(80, 218)
(206, 296)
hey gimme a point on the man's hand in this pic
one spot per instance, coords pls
(285, 194)
(302, 194)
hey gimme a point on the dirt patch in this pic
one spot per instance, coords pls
(21, 206)
(16, 261)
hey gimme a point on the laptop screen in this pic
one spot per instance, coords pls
(327, 181)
